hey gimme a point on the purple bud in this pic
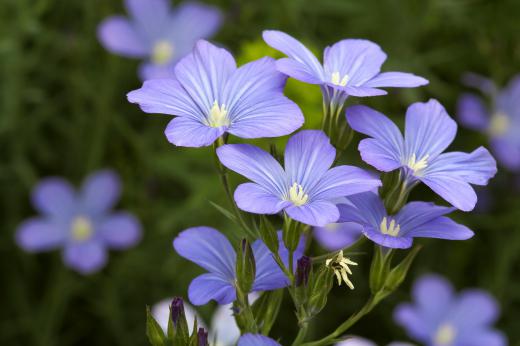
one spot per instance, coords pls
(176, 310)
(203, 337)
(303, 269)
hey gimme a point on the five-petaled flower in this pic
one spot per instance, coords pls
(80, 223)
(501, 122)
(211, 96)
(211, 250)
(429, 131)
(440, 317)
(350, 67)
(306, 189)
(158, 33)
(415, 219)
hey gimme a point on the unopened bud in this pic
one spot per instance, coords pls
(178, 326)
(303, 270)
(246, 267)
(177, 310)
(202, 336)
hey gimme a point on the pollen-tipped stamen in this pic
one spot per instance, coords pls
(337, 80)
(340, 266)
(218, 115)
(417, 165)
(391, 229)
(297, 195)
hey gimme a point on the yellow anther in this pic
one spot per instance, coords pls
(445, 335)
(340, 266)
(337, 80)
(218, 115)
(81, 229)
(297, 195)
(417, 166)
(391, 229)
(499, 124)
(162, 52)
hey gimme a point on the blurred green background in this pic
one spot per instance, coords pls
(63, 111)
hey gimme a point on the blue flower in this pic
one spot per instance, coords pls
(306, 189)
(350, 67)
(429, 131)
(336, 236)
(208, 248)
(415, 219)
(211, 96)
(158, 33)
(440, 317)
(501, 122)
(79, 222)
(256, 340)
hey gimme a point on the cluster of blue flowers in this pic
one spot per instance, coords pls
(213, 101)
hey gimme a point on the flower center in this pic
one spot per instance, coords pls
(297, 195)
(162, 52)
(499, 124)
(218, 115)
(445, 335)
(332, 227)
(340, 266)
(337, 80)
(391, 228)
(417, 166)
(81, 229)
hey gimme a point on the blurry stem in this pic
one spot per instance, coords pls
(301, 334)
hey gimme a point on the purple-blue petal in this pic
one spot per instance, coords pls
(411, 319)
(507, 151)
(337, 236)
(314, 213)
(396, 79)
(256, 340)
(208, 248)
(360, 91)
(151, 16)
(386, 240)
(484, 337)
(453, 189)
(365, 209)
(100, 192)
(256, 199)
(38, 234)
(434, 296)
(297, 70)
(269, 276)
(192, 21)
(211, 286)
(150, 71)
(120, 36)
(55, 197)
(188, 132)
(85, 257)
(441, 228)
(472, 112)
(120, 230)
(474, 308)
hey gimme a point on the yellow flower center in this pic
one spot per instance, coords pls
(162, 52)
(391, 229)
(499, 124)
(340, 266)
(337, 80)
(445, 335)
(218, 115)
(81, 229)
(417, 166)
(297, 195)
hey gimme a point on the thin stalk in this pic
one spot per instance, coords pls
(302, 333)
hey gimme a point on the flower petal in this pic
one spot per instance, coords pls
(151, 16)
(341, 181)
(210, 286)
(361, 91)
(192, 21)
(38, 234)
(385, 149)
(336, 236)
(507, 152)
(187, 132)
(150, 71)
(429, 129)
(441, 228)
(54, 197)
(364, 208)
(256, 340)
(308, 155)
(415, 214)
(120, 230)
(386, 240)
(360, 60)
(434, 296)
(100, 192)
(408, 317)
(85, 257)
(256, 199)
(304, 64)
(472, 112)
(255, 164)
(166, 96)
(120, 36)
(315, 213)
(453, 189)
(484, 337)
(208, 248)
(474, 308)
(269, 276)
(204, 73)
(396, 80)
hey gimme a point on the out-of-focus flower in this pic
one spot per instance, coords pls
(80, 222)
(500, 121)
(335, 236)
(208, 248)
(210, 96)
(357, 341)
(429, 131)
(350, 67)
(439, 317)
(158, 33)
(307, 186)
(415, 219)
(256, 340)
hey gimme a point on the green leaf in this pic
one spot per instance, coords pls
(224, 211)
(153, 330)
(379, 269)
(398, 274)
(269, 234)
(266, 309)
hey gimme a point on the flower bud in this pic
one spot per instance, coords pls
(176, 310)
(202, 336)
(246, 267)
(178, 325)
(303, 270)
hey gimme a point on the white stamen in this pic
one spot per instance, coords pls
(218, 115)
(162, 52)
(417, 166)
(445, 335)
(81, 229)
(337, 80)
(297, 195)
(391, 229)
(499, 124)
(340, 266)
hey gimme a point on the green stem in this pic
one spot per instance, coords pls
(301, 335)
